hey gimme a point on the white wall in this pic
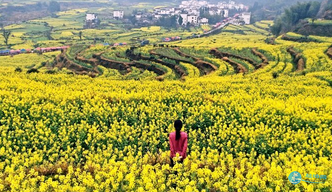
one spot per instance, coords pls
(185, 19)
(246, 18)
(226, 13)
(118, 14)
(90, 17)
(192, 19)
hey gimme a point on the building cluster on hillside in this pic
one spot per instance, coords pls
(189, 12)
(36, 50)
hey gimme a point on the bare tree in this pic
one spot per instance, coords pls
(6, 34)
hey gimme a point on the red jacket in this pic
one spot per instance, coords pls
(178, 146)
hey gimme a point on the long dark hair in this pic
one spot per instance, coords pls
(178, 126)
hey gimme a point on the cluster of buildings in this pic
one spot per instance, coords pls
(189, 11)
(92, 20)
(37, 50)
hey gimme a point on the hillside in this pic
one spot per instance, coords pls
(325, 8)
(19, 12)
(303, 18)
(319, 28)
(270, 9)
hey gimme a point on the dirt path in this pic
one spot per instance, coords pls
(178, 69)
(62, 61)
(237, 67)
(297, 59)
(204, 66)
(264, 59)
(224, 54)
(329, 52)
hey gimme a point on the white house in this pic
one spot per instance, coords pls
(226, 13)
(246, 17)
(90, 17)
(158, 16)
(194, 12)
(215, 11)
(204, 21)
(177, 11)
(241, 6)
(193, 19)
(156, 10)
(185, 3)
(202, 3)
(229, 5)
(91, 20)
(138, 16)
(118, 14)
(163, 12)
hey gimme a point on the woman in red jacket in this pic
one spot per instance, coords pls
(178, 142)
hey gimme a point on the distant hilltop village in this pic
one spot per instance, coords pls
(194, 7)
(191, 12)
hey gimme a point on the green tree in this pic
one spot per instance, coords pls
(48, 34)
(292, 16)
(314, 9)
(180, 20)
(168, 22)
(213, 19)
(54, 6)
(80, 34)
(276, 27)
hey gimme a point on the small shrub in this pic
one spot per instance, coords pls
(43, 64)
(18, 69)
(33, 70)
(275, 75)
(50, 72)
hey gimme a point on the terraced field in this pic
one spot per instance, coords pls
(214, 55)
(218, 57)
(160, 59)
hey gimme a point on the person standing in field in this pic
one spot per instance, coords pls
(178, 142)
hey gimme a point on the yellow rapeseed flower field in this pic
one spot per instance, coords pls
(246, 132)
(74, 133)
